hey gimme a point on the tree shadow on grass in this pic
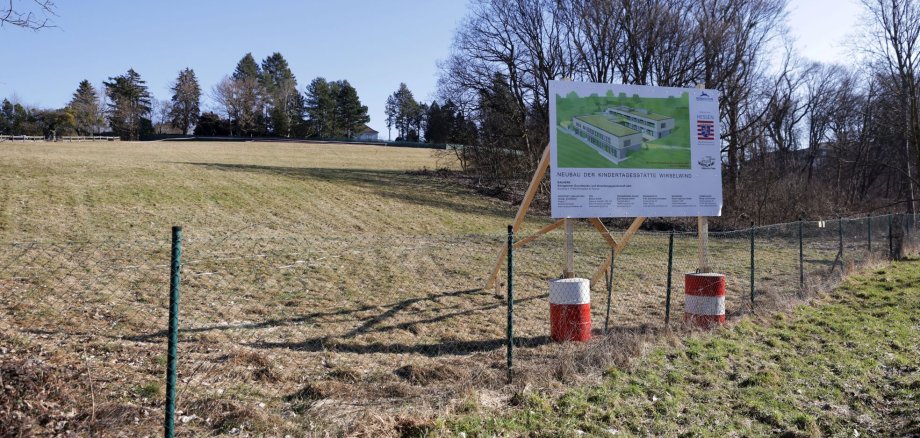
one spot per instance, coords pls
(395, 184)
(370, 324)
(375, 324)
(444, 348)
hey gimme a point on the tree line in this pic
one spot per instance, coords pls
(801, 138)
(257, 99)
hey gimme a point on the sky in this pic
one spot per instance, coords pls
(375, 45)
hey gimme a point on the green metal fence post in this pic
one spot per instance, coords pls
(869, 232)
(613, 255)
(667, 301)
(172, 349)
(752, 266)
(510, 298)
(840, 240)
(801, 259)
(890, 241)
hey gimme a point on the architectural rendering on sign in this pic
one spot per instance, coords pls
(612, 139)
(650, 124)
(620, 130)
(629, 150)
(623, 131)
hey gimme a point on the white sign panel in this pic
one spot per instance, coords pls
(631, 150)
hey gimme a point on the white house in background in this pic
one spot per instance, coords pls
(366, 133)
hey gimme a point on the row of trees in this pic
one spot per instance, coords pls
(125, 109)
(256, 100)
(433, 123)
(800, 138)
(264, 100)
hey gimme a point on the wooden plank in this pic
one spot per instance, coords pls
(532, 189)
(521, 213)
(633, 228)
(702, 226)
(569, 271)
(539, 233)
(601, 228)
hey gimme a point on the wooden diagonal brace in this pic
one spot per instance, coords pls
(604, 231)
(539, 233)
(619, 248)
(522, 211)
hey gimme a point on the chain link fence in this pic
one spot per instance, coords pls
(347, 333)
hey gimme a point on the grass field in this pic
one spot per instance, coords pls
(844, 366)
(128, 189)
(326, 288)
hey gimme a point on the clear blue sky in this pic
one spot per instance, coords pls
(374, 44)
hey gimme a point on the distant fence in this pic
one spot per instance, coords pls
(405, 144)
(66, 138)
(285, 328)
(89, 138)
(22, 138)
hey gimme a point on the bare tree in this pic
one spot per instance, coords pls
(591, 28)
(893, 33)
(161, 115)
(33, 15)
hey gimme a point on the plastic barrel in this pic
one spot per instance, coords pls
(704, 299)
(570, 309)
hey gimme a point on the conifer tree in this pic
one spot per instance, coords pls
(280, 86)
(84, 106)
(249, 95)
(350, 114)
(186, 101)
(129, 105)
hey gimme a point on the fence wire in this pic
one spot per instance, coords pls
(320, 333)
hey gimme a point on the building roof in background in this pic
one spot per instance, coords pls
(606, 125)
(642, 113)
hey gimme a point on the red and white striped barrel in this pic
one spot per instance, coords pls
(704, 299)
(570, 309)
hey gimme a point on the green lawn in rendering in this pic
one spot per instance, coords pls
(573, 153)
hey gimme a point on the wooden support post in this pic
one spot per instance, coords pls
(539, 233)
(601, 228)
(619, 248)
(703, 232)
(569, 271)
(522, 211)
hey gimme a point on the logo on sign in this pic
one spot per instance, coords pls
(705, 130)
(707, 162)
(703, 97)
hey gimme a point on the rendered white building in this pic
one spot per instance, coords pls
(614, 139)
(651, 125)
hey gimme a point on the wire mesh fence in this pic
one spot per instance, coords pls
(316, 333)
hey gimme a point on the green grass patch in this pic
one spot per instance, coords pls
(845, 364)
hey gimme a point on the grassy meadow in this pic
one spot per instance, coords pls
(76, 191)
(326, 288)
(844, 366)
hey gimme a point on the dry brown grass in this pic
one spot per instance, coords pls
(325, 289)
